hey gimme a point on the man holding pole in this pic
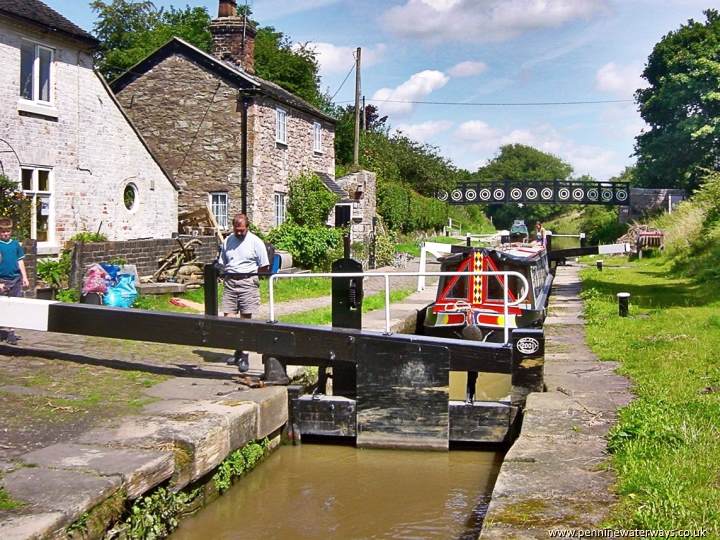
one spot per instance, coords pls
(243, 256)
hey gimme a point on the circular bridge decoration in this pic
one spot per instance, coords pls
(592, 194)
(442, 195)
(470, 194)
(564, 193)
(499, 194)
(456, 195)
(485, 194)
(531, 193)
(578, 194)
(621, 195)
(546, 193)
(606, 194)
(516, 193)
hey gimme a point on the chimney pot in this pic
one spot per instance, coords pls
(227, 8)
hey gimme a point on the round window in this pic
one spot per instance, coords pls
(130, 196)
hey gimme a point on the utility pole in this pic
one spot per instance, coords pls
(356, 147)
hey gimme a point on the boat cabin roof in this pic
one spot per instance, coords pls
(521, 254)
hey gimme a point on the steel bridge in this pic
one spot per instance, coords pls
(538, 192)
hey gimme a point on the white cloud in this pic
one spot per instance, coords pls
(339, 59)
(618, 79)
(483, 20)
(467, 69)
(479, 141)
(395, 100)
(425, 130)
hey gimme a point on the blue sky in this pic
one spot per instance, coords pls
(484, 51)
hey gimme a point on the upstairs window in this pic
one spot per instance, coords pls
(281, 126)
(36, 72)
(317, 137)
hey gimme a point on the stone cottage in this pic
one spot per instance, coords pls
(232, 140)
(67, 142)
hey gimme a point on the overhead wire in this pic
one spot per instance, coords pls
(352, 68)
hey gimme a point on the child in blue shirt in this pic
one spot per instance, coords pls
(13, 277)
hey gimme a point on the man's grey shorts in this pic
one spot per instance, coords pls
(241, 296)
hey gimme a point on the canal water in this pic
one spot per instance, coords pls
(319, 491)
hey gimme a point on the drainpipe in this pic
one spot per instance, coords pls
(246, 98)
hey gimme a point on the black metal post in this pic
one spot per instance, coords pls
(599, 265)
(346, 246)
(372, 258)
(623, 303)
(548, 242)
(210, 275)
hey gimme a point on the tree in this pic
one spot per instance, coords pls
(681, 107)
(15, 205)
(130, 30)
(523, 163)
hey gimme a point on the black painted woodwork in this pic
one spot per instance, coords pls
(347, 297)
(481, 421)
(329, 416)
(402, 395)
(295, 344)
(538, 192)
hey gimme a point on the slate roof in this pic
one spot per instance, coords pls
(224, 69)
(334, 187)
(38, 14)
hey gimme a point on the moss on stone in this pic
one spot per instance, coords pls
(94, 523)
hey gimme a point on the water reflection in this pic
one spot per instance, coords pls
(321, 491)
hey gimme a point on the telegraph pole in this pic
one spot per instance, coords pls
(356, 146)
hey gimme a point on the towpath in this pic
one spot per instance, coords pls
(554, 475)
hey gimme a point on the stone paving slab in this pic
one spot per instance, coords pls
(50, 491)
(140, 470)
(31, 526)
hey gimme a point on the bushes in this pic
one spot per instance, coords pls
(311, 247)
(15, 205)
(405, 210)
(310, 202)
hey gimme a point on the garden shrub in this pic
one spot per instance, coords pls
(311, 247)
(405, 210)
(309, 201)
(15, 205)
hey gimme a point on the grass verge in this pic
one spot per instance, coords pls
(322, 316)
(665, 446)
(7, 502)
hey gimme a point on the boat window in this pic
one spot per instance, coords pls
(459, 290)
(495, 288)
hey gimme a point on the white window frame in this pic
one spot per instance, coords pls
(280, 125)
(280, 205)
(35, 98)
(223, 224)
(317, 138)
(36, 194)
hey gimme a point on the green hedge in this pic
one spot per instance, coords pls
(405, 210)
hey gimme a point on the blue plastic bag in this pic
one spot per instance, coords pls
(123, 294)
(112, 271)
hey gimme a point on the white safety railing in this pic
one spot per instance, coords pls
(386, 276)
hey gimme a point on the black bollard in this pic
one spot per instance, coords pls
(468, 241)
(210, 275)
(599, 265)
(623, 303)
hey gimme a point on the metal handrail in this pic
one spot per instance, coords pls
(386, 276)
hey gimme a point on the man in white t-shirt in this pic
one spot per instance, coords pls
(243, 255)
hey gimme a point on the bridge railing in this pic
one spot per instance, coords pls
(387, 275)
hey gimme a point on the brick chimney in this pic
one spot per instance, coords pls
(233, 37)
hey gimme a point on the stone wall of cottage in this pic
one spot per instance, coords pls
(30, 249)
(87, 143)
(362, 190)
(191, 119)
(274, 164)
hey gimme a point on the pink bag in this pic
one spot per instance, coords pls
(95, 280)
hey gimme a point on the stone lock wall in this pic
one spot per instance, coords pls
(144, 254)
(86, 142)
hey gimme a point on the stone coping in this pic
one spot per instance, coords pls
(554, 475)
